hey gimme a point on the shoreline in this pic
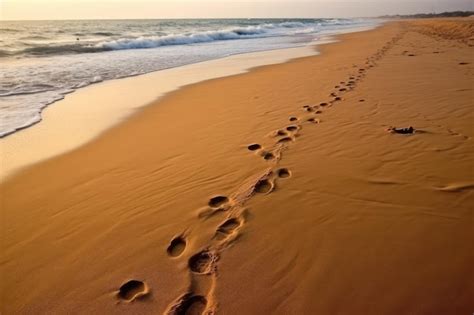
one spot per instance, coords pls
(25, 147)
(267, 181)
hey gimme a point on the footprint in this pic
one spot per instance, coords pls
(227, 228)
(324, 104)
(463, 63)
(132, 290)
(342, 90)
(189, 304)
(292, 128)
(264, 186)
(285, 139)
(361, 100)
(313, 120)
(268, 156)
(281, 133)
(318, 112)
(202, 262)
(254, 147)
(217, 201)
(411, 55)
(337, 98)
(309, 109)
(283, 173)
(292, 118)
(176, 247)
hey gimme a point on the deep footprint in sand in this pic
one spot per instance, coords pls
(227, 228)
(283, 173)
(285, 140)
(190, 305)
(268, 156)
(292, 128)
(132, 290)
(264, 186)
(254, 147)
(176, 247)
(217, 201)
(201, 262)
(281, 133)
(292, 118)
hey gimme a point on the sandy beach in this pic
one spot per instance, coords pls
(277, 191)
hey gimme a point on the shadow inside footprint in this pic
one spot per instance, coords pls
(254, 147)
(201, 262)
(176, 247)
(293, 118)
(190, 305)
(292, 128)
(263, 186)
(281, 133)
(283, 173)
(217, 201)
(132, 290)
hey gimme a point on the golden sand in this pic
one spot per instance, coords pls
(277, 191)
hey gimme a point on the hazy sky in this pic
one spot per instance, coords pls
(122, 9)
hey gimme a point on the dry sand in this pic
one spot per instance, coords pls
(342, 217)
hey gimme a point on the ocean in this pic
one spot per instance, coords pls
(42, 61)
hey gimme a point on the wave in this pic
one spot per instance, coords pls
(203, 37)
(9, 30)
(4, 53)
(104, 33)
(153, 41)
(60, 50)
(34, 37)
(258, 31)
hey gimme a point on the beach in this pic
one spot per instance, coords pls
(276, 191)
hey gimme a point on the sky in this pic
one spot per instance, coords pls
(149, 9)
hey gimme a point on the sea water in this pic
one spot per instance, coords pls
(42, 61)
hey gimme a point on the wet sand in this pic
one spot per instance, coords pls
(276, 191)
